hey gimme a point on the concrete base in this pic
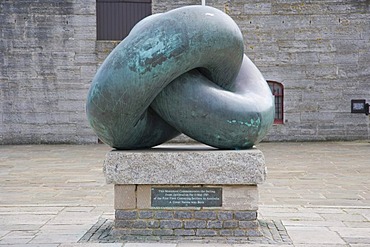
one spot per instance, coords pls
(135, 173)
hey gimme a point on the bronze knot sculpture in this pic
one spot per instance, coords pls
(183, 71)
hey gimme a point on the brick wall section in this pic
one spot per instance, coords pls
(319, 50)
(186, 223)
(47, 62)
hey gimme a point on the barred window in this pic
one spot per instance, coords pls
(116, 18)
(277, 90)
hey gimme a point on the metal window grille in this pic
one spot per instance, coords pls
(277, 90)
(116, 18)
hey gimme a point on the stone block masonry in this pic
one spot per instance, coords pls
(134, 214)
(177, 175)
(234, 197)
(186, 223)
(48, 60)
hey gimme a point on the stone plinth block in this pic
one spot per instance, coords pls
(185, 165)
(186, 190)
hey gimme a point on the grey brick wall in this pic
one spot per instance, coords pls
(319, 50)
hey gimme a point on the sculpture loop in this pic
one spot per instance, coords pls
(183, 71)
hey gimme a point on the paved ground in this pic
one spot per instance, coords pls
(318, 193)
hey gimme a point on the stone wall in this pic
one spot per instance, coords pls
(319, 50)
(47, 61)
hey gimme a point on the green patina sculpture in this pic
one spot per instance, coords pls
(183, 71)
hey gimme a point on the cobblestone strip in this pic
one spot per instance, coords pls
(273, 232)
(99, 233)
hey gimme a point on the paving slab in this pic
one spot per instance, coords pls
(348, 232)
(91, 245)
(53, 195)
(203, 245)
(313, 235)
(305, 223)
(149, 245)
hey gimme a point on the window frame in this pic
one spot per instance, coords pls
(279, 104)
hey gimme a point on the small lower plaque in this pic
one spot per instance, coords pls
(186, 197)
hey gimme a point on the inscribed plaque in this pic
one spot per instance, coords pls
(186, 197)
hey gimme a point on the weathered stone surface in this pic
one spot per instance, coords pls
(46, 66)
(206, 232)
(248, 224)
(163, 232)
(143, 196)
(230, 224)
(246, 215)
(235, 217)
(164, 215)
(153, 223)
(235, 197)
(224, 215)
(139, 224)
(214, 224)
(195, 224)
(124, 196)
(123, 223)
(159, 222)
(125, 215)
(184, 232)
(171, 224)
(205, 215)
(240, 197)
(193, 164)
(183, 215)
(226, 232)
(145, 214)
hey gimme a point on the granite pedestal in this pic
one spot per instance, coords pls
(187, 190)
